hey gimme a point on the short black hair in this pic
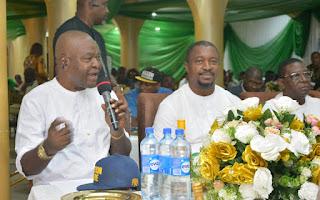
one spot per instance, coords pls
(253, 71)
(199, 43)
(314, 53)
(284, 64)
(29, 75)
(36, 49)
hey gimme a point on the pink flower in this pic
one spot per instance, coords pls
(268, 122)
(273, 122)
(313, 120)
(218, 185)
(316, 130)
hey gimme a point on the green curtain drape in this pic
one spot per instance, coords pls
(165, 49)
(237, 10)
(15, 28)
(111, 36)
(293, 38)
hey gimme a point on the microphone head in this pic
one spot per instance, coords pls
(104, 85)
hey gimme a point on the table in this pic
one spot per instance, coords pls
(55, 190)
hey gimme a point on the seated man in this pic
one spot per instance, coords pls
(200, 101)
(315, 68)
(252, 82)
(149, 82)
(296, 81)
(63, 128)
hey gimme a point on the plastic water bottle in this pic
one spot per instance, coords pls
(180, 181)
(165, 164)
(149, 148)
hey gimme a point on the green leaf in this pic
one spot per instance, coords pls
(266, 115)
(277, 115)
(288, 117)
(230, 116)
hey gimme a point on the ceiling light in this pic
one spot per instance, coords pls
(153, 14)
(157, 28)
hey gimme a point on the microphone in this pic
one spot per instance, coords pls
(104, 88)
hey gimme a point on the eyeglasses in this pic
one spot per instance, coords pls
(94, 4)
(296, 76)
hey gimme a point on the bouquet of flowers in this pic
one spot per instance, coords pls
(256, 154)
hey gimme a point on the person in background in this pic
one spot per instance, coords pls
(11, 84)
(168, 82)
(19, 81)
(252, 82)
(131, 80)
(200, 102)
(63, 128)
(114, 72)
(30, 80)
(271, 82)
(35, 61)
(314, 67)
(148, 82)
(228, 79)
(296, 80)
(121, 76)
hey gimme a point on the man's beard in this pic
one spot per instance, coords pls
(206, 85)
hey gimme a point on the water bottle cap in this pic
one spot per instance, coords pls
(149, 130)
(181, 123)
(179, 131)
(167, 131)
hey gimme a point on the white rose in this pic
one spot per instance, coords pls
(306, 172)
(299, 143)
(249, 103)
(262, 182)
(285, 103)
(269, 146)
(232, 124)
(308, 191)
(220, 135)
(316, 161)
(271, 130)
(245, 132)
(247, 192)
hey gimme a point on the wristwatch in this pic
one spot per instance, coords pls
(42, 154)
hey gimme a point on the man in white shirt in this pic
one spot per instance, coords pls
(62, 127)
(200, 101)
(296, 80)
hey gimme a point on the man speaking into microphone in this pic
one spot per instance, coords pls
(63, 126)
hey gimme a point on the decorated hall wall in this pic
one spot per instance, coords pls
(263, 42)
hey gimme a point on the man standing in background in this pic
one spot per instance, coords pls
(89, 13)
